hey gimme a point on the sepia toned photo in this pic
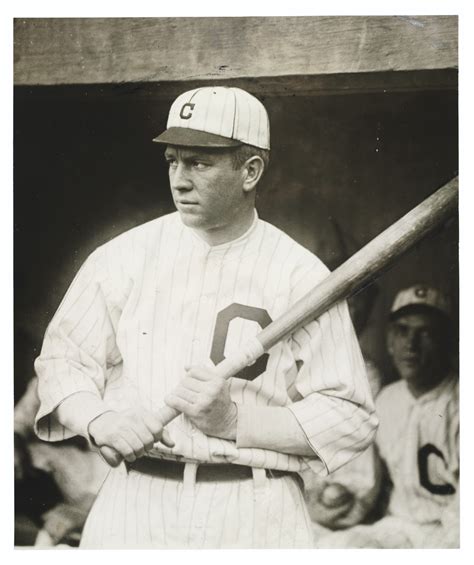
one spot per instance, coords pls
(236, 282)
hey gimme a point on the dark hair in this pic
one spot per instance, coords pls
(244, 152)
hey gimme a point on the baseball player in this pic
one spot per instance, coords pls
(418, 437)
(152, 312)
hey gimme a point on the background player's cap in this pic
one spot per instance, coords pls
(421, 295)
(217, 116)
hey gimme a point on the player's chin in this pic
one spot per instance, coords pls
(191, 217)
(409, 372)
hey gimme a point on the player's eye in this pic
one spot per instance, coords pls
(172, 163)
(200, 165)
(401, 331)
(426, 334)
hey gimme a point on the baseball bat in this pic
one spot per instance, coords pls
(347, 279)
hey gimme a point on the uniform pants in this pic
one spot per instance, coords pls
(135, 510)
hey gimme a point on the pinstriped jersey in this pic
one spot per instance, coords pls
(158, 298)
(419, 440)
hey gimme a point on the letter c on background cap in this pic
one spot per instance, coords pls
(189, 113)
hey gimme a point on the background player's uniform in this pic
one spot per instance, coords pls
(418, 439)
(158, 298)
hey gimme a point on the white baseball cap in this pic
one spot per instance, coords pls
(421, 295)
(217, 116)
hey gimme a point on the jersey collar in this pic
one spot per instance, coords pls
(224, 246)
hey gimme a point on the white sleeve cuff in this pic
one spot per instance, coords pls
(271, 427)
(78, 410)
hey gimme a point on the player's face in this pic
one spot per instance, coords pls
(417, 348)
(207, 190)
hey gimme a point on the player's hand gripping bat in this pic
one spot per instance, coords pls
(347, 279)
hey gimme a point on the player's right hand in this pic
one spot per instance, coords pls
(130, 433)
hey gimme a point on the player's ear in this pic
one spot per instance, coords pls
(252, 170)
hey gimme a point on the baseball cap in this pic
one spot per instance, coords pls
(421, 295)
(217, 116)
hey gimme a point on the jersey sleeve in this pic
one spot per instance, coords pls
(78, 346)
(362, 476)
(336, 411)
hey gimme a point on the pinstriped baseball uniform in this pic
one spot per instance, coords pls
(158, 298)
(418, 438)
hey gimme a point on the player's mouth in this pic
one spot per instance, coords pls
(411, 360)
(186, 203)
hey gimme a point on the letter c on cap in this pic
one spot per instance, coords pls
(186, 116)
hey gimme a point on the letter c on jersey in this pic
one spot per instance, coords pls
(224, 318)
(185, 114)
(423, 456)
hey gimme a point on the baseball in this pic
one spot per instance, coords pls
(335, 495)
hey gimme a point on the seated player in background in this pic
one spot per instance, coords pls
(55, 484)
(418, 436)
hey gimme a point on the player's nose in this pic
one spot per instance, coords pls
(413, 340)
(180, 178)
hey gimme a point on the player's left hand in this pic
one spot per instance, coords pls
(205, 398)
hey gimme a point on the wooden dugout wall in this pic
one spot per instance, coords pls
(313, 53)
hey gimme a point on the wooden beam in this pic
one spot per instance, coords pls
(351, 83)
(155, 50)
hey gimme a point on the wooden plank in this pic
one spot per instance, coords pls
(323, 85)
(114, 50)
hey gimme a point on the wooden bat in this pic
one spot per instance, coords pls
(344, 281)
